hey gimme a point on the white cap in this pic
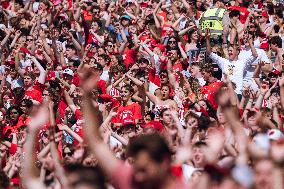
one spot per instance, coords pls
(274, 134)
(262, 141)
(68, 71)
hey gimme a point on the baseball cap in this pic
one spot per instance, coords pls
(274, 134)
(68, 71)
(125, 17)
(154, 124)
(161, 47)
(265, 14)
(24, 50)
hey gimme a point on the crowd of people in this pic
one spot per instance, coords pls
(141, 94)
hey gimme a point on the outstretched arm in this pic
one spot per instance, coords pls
(31, 177)
(104, 156)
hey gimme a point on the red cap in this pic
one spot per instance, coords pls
(25, 50)
(265, 14)
(109, 98)
(161, 47)
(154, 124)
(11, 62)
(264, 46)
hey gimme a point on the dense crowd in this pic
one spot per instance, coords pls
(141, 94)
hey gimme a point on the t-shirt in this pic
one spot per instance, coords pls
(261, 57)
(36, 92)
(122, 178)
(126, 115)
(234, 69)
(209, 92)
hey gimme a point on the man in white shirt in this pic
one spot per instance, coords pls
(249, 71)
(233, 67)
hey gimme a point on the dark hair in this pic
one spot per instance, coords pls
(153, 144)
(275, 90)
(279, 13)
(99, 22)
(199, 144)
(276, 40)
(207, 68)
(129, 88)
(30, 74)
(28, 102)
(14, 107)
(19, 94)
(234, 13)
(151, 114)
(4, 181)
(68, 46)
(105, 57)
(163, 111)
(92, 176)
(65, 24)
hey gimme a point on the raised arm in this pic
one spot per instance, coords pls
(208, 45)
(172, 78)
(69, 101)
(42, 72)
(30, 177)
(104, 156)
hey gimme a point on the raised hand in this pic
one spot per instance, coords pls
(281, 81)
(39, 118)
(208, 34)
(89, 78)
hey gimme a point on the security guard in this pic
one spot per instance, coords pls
(217, 20)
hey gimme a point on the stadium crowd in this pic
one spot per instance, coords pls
(141, 94)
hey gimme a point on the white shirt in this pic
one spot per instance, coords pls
(105, 75)
(251, 68)
(234, 69)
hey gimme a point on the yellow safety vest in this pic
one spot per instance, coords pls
(212, 19)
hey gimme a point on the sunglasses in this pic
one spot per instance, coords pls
(69, 154)
(252, 26)
(172, 42)
(29, 39)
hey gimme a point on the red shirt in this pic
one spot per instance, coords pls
(209, 93)
(36, 92)
(128, 114)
